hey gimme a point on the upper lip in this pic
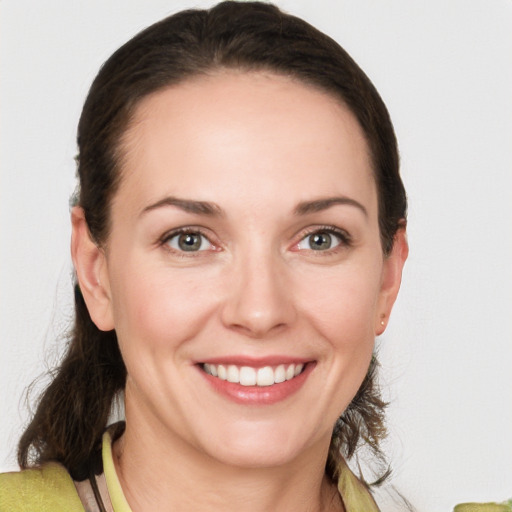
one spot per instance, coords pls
(255, 362)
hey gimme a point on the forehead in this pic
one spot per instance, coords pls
(246, 133)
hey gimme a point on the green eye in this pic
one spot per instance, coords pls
(322, 240)
(189, 242)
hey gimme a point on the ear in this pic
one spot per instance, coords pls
(391, 279)
(91, 271)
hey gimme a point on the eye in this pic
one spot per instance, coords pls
(189, 241)
(323, 240)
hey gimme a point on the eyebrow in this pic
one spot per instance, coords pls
(187, 205)
(319, 205)
(214, 210)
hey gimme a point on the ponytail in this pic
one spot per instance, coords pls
(73, 410)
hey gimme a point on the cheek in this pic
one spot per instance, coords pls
(160, 307)
(343, 304)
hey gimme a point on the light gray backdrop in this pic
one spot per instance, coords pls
(444, 68)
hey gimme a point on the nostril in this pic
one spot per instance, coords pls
(258, 329)
(258, 299)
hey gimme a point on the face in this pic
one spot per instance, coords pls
(244, 273)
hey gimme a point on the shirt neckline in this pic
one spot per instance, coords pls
(354, 494)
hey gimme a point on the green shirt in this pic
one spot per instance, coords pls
(51, 489)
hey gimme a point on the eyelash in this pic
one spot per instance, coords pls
(343, 236)
(167, 237)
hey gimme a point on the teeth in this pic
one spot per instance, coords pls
(265, 376)
(248, 376)
(233, 374)
(280, 374)
(221, 372)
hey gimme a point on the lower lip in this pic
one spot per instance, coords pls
(259, 395)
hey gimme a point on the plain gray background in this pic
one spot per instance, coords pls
(444, 69)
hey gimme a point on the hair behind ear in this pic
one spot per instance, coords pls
(361, 423)
(73, 410)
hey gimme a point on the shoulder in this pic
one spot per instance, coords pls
(45, 489)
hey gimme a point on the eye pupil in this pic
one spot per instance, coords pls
(320, 241)
(189, 242)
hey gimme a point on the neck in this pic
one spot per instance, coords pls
(158, 471)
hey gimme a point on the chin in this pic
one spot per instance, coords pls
(254, 457)
(259, 447)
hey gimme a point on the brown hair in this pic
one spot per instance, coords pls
(74, 409)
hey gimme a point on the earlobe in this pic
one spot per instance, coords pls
(91, 271)
(391, 279)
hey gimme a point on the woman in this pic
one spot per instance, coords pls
(238, 241)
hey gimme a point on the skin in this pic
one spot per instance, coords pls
(257, 146)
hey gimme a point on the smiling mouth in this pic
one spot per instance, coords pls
(249, 376)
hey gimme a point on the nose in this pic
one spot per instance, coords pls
(259, 299)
